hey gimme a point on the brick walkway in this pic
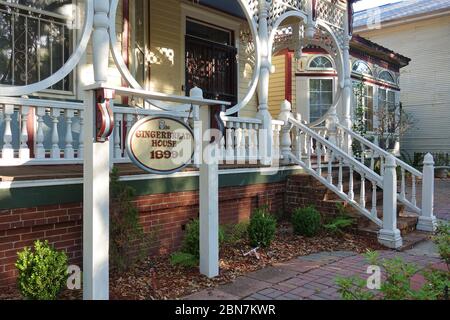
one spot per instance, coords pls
(309, 278)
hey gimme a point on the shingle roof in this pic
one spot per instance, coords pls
(400, 10)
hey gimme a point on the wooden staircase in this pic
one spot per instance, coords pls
(326, 200)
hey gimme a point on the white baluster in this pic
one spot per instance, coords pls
(117, 136)
(374, 199)
(330, 166)
(130, 119)
(81, 137)
(276, 142)
(351, 192)
(341, 178)
(69, 153)
(414, 195)
(24, 152)
(319, 157)
(362, 198)
(252, 148)
(239, 138)
(40, 150)
(8, 151)
(372, 161)
(230, 143)
(403, 184)
(381, 165)
(362, 153)
(308, 151)
(56, 152)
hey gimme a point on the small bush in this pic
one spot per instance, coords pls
(236, 232)
(129, 244)
(42, 272)
(306, 221)
(191, 243)
(262, 228)
(341, 222)
(184, 259)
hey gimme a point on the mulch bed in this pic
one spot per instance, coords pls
(156, 279)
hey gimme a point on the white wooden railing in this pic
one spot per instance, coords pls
(36, 131)
(310, 145)
(241, 140)
(370, 153)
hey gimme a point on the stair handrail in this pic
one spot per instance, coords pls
(380, 151)
(367, 171)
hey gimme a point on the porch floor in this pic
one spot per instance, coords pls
(51, 172)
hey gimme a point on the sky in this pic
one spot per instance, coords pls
(366, 4)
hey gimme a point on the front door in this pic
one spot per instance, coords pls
(211, 61)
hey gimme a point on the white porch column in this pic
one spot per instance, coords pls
(96, 174)
(209, 195)
(389, 235)
(427, 220)
(347, 91)
(265, 138)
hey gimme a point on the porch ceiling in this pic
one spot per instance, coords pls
(231, 7)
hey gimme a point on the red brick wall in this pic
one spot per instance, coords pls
(166, 214)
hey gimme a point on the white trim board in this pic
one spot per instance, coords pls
(6, 185)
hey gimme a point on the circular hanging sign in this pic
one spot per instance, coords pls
(161, 145)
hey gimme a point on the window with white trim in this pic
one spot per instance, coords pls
(36, 38)
(387, 105)
(320, 98)
(386, 76)
(360, 67)
(321, 62)
(367, 100)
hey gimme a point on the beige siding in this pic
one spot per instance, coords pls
(425, 83)
(165, 47)
(277, 85)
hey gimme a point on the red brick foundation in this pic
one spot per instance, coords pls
(165, 214)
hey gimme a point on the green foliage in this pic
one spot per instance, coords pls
(262, 228)
(129, 243)
(442, 240)
(235, 232)
(306, 221)
(353, 288)
(184, 259)
(397, 285)
(341, 222)
(191, 243)
(42, 272)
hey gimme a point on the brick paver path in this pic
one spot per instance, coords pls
(313, 277)
(308, 278)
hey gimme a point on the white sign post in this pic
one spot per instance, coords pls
(209, 196)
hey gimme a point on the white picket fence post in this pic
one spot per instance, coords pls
(427, 220)
(390, 235)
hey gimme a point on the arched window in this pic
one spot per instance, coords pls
(387, 76)
(361, 67)
(321, 62)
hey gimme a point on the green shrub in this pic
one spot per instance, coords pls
(184, 259)
(236, 232)
(262, 228)
(42, 272)
(191, 243)
(397, 285)
(129, 243)
(442, 240)
(341, 222)
(306, 221)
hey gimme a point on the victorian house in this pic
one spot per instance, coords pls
(279, 77)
